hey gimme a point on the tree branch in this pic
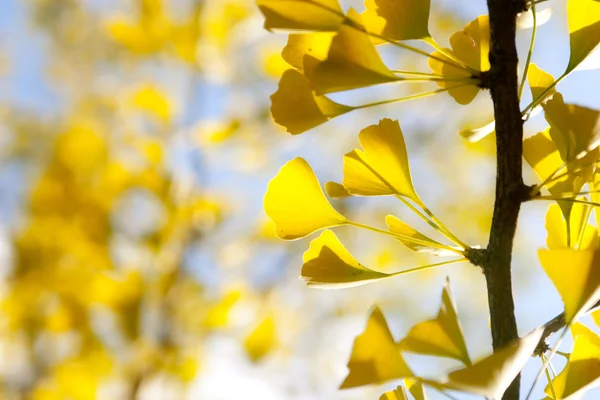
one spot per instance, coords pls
(510, 189)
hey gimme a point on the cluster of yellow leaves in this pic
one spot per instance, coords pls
(340, 54)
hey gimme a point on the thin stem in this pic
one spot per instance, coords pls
(405, 238)
(413, 73)
(549, 378)
(430, 41)
(542, 96)
(447, 231)
(536, 189)
(567, 199)
(429, 266)
(531, 44)
(412, 97)
(547, 361)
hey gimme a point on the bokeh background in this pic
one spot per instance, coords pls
(136, 262)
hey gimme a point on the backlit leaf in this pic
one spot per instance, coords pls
(352, 61)
(295, 106)
(397, 394)
(415, 387)
(539, 80)
(584, 29)
(441, 336)
(576, 276)
(311, 15)
(327, 264)
(491, 376)
(382, 168)
(471, 46)
(336, 190)
(582, 234)
(296, 203)
(375, 357)
(261, 340)
(525, 19)
(315, 45)
(397, 19)
(583, 369)
(397, 226)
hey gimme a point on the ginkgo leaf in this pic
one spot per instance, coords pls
(471, 46)
(491, 376)
(441, 336)
(397, 394)
(398, 227)
(310, 15)
(539, 80)
(352, 61)
(525, 19)
(315, 45)
(336, 190)
(574, 129)
(415, 387)
(582, 235)
(262, 340)
(382, 168)
(375, 357)
(296, 203)
(295, 106)
(582, 372)
(576, 276)
(397, 19)
(327, 264)
(476, 134)
(584, 29)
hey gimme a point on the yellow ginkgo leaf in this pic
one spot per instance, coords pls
(297, 204)
(474, 135)
(397, 20)
(415, 387)
(306, 15)
(584, 29)
(375, 357)
(150, 99)
(382, 168)
(352, 61)
(397, 394)
(574, 129)
(583, 369)
(576, 276)
(295, 106)
(327, 264)
(471, 46)
(315, 45)
(261, 340)
(539, 80)
(491, 376)
(400, 228)
(336, 190)
(582, 235)
(441, 336)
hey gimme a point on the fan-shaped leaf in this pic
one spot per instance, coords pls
(382, 168)
(539, 80)
(311, 15)
(584, 29)
(352, 61)
(441, 336)
(295, 106)
(296, 203)
(336, 190)
(375, 357)
(582, 235)
(315, 45)
(398, 227)
(398, 19)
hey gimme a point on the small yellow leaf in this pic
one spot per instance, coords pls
(583, 369)
(295, 106)
(441, 336)
(491, 376)
(296, 203)
(582, 234)
(415, 387)
(336, 190)
(352, 61)
(375, 357)
(584, 29)
(315, 45)
(576, 276)
(397, 394)
(397, 20)
(539, 80)
(476, 134)
(398, 227)
(150, 99)
(311, 15)
(327, 264)
(574, 129)
(382, 168)
(471, 46)
(261, 340)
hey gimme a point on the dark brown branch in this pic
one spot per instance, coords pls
(502, 81)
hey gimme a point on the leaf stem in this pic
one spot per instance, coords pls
(431, 41)
(548, 377)
(429, 266)
(447, 231)
(411, 97)
(546, 362)
(530, 52)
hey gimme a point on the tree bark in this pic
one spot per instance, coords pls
(502, 81)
